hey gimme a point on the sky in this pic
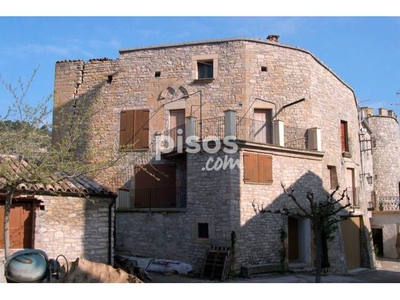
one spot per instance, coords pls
(360, 42)
(363, 50)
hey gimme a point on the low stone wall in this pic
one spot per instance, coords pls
(74, 227)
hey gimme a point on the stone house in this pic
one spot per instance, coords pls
(384, 207)
(72, 217)
(186, 184)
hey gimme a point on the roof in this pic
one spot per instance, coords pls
(61, 185)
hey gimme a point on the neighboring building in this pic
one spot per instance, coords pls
(296, 123)
(71, 217)
(385, 207)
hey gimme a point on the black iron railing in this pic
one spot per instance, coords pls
(152, 198)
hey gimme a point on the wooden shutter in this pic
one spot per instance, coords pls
(126, 129)
(264, 168)
(141, 127)
(257, 168)
(155, 186)
(134, 129)
(343, 136)
(250, 167)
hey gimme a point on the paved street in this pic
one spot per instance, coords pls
(388, 272)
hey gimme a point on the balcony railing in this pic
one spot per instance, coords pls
(387, 203)
(213, 127)
(152, 198)
(254, 130)
(296, 137)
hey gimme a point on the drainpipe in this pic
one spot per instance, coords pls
(111, 232)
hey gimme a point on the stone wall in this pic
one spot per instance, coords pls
(385, 149)
(74, 227)
(390, 224)
(212, 198)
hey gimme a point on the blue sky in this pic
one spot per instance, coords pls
(363, 50)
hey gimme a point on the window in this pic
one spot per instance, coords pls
(344, 136)
(257, 168)
(157, 74)
(155, 186)
(134, 130)
(264, 69)
(205, 69)
(333, 177)
(109, 79)
(202, 231)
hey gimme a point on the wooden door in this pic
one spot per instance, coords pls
(263, 126)
(21, 225)
(351, 239)
(177, 121)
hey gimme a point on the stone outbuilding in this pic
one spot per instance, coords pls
(211, 131)
(73, 217)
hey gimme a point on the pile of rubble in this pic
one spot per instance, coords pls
(85, 271)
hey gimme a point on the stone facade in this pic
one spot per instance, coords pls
(386, 169)
(74, 227)
(249, 74)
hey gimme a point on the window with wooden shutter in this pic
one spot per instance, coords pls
(155, 186)
(134, 130)
(257, 168)
(344, 136)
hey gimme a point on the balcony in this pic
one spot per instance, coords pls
(387, 203)
(255, 131)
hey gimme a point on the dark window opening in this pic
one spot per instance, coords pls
(263, 69)
(109, 79)
(157, 74)
(205, 69)
(344, 138)
(202, 230)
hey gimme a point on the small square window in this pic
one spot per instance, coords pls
(264, 69)
(202, 230)
(157, 74)
(205, 69)
(109, 79)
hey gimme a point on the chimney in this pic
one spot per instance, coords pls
(273, 38)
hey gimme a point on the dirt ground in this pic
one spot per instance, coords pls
(388, 272)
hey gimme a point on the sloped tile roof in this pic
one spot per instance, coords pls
(78, 185)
